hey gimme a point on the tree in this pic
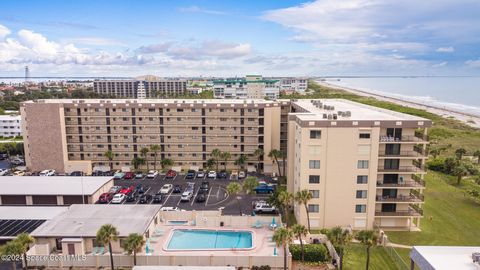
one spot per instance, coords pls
(285, 199)
(216, 153)
(166, 162)
(240, 161)
(225, 156)
(143, 152)
(105, 235)
(340, 238)
(303, 197)
(283, 156)
(133, 244)
(368, 238)
(234, 189)
(25, 240)
(258, 153)
(210, 163)
(109, 156)
(300, 231)
(136, 162)
(477, 155)
(459, 171)
(450, 164)
(283, 237)
(274, 155)
(460, 152)
(13, 248)
(250, 184)
(155, 148)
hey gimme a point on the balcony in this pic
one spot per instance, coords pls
(407, 169)
(411, 198)
(416, 153)
(417, 138)
(404, 184)
(411, 212)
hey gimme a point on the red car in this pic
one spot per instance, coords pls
(127, 191)
(105, 197)
(171, 174)
(129, 175)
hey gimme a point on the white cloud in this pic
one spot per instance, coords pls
(445, 49)
(473, 63)
(96, 41)
(4, 31)
(441, 64)
(211, 48)
(196, 9)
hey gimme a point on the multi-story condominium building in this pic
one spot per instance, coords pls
(363, 165)
(251, 87)
(10, 125)
(69, 135)
(292, 84)
(142, 87)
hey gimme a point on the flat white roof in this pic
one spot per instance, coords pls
(51, 185)
(31, 212)
(357, 110)
(444, 257)
(155, 101)
(84, 220)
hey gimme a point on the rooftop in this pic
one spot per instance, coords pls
(51, 185)
(165, 267)
(31, 212)
(156, 101)
(84, 220)
(444, 257)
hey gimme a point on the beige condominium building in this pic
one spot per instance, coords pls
(141, 87)
(363, 165)
(70, 135)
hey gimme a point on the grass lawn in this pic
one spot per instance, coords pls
(357, 256)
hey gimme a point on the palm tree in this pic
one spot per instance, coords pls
(258, 153)
(109, 156)
(283, 237)
(459, 171)
(105, 235)
(25, 240)
(340, 238)
(477, 155)
(225, 156)
(233, 189)
(155, 148)
(283, 156)
(368, 238)
(250, 184)
(300, 231)
(216, 153)
(166, 162)
(303, 197)
(143, 152)
(285, 199)
(136, 162)
(133, 244)
(460, 152)
(274, 154)
(210, 163)
(13, 248)
(240, 161)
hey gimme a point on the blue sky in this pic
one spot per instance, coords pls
(229, 38)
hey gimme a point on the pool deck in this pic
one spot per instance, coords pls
(262, 242)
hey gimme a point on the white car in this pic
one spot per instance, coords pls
(119, 198)
(263, 207)
(152, 174)
(200, 174)
(241, 174)
(170, 208)
(186, 196)
(3, 172)
(47, 173)
(212, 174)
(166, 189)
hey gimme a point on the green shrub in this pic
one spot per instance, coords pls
(263, 267)
(436, 164)
(313, 252)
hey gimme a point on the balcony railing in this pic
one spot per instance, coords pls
(411, 168)
(413, 153)
(408, 138)
(410, 183)
(401, 198)
(401, 213)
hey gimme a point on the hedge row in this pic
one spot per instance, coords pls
(313, 252)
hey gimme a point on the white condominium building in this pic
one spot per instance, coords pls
(10, 125)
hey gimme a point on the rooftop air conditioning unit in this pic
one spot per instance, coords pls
(476, 257)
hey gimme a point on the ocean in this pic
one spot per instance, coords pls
(456, 93)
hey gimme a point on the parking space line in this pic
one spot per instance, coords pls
(208, 196)
(168, 197)
(193, 199)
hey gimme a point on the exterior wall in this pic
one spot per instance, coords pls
(10, 125)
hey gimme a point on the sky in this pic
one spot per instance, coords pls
(234, 38)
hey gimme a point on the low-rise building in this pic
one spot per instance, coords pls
(293, 85)
(10, 125)
(445, 257)
(142, 87)
(250, 87)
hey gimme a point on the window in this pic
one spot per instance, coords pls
(361, 194)
(360, 208)
(315, 194)
(313, 208)
(314, 179)
(362, 179)
(362, 164)
(314, 149)
(364, 136)
(314, 164)
(315, 134)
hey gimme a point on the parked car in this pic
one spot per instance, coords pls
(141, 189)
(234, 175)
(105, 197)
(263, 207)
(145, 198)
(119, 198)
(129, 175)
(139, 175)
(222, 174)
(76, 173)
(3, 156)
(200, 174)
(177, 189)
(190, 186)
(47, 173)
(170, 208)
(115, 189)
(212, 174)
(241, 175)
(132, 196)
(171, 174)
(201, 197)
(186, 196)
(205, 186)
(190, 174)
(17, 161)
(19, 173)
(158, 198)
(127, 190)
(166, 189)
(118, 175)
(264, 188)
(152, 174)
(3, 172)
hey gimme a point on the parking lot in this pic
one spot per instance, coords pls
(217, 196)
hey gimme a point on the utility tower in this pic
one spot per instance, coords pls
(27, 76)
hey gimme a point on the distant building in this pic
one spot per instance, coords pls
(10, 125)
(290, 85)
(250, 87)
(142, 87)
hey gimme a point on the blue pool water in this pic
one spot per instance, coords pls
(210, 239)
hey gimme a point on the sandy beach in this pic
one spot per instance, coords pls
(470, 119)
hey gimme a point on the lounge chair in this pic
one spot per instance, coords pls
(94, 250)
(258, 224)
(158, 232)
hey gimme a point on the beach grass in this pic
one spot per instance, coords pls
(357, 256)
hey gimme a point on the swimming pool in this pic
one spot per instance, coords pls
(181, 239)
